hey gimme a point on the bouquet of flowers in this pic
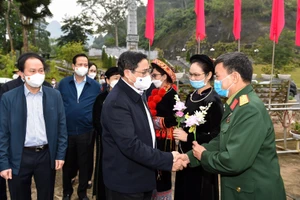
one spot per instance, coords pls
(196, 119)
(179, 107)
(179, 115)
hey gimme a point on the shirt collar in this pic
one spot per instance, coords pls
(27, 92)
(84, 80)
(140, 92)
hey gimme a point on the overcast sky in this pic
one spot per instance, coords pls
(62, 8)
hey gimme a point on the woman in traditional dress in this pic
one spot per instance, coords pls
(195, 183)
(161, 103)
(112, 76)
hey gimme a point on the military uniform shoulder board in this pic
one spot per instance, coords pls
(244, 99)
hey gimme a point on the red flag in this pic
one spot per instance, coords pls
(237, 22)
(150, 22)
(200, 23)
(298, 25)
(277, 22)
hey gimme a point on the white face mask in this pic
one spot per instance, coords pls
(15, 76)
(81, 71)
(157, 83)
(102, 81)
(92, 75)
(53, 82)
(142, 83)
(113, 83)
(35, 80)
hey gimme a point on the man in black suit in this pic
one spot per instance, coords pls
(130, 158)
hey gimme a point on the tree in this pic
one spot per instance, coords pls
(69, 50)
(30, 11)
(110, 19)
(284, 50)
(75, 29)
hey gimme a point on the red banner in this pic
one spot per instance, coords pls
(200, 21)
(237, 21)
(298, 25)
(277, 21)
(150, 22)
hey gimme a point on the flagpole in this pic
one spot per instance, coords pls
(149, 50)
(272, 72)
(239, 45)
(198, 51)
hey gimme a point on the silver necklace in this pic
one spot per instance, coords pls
(191, 97)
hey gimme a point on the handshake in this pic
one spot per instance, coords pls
(180, 161)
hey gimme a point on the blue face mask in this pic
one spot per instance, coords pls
(218, 88)
(197, 84)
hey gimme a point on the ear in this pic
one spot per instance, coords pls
(126, 72)
(236, 77)
(73, 66)
(208, 76)
(164, 77)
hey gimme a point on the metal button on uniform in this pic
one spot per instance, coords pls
(238, 189)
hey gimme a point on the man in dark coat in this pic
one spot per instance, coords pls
(33, 136)
(130, 157)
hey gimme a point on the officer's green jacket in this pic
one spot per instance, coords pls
(244, 153)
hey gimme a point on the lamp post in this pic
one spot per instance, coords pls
(212, 50)
(255, 51)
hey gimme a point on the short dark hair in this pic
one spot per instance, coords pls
(22, 59)
(111, 71)
(78, 55)
(129, 60)
(237, 61)
(91, 64)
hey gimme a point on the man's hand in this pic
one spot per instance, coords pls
(6, 174)
(59, 164)
(180, 161)
(198, 150)
(180, 134)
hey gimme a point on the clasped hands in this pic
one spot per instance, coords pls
(180, 161)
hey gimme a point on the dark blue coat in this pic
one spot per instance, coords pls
(13, 118)
(78, 111)
(129, 159)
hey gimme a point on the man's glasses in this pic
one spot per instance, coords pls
(144, 72)
(190, 75)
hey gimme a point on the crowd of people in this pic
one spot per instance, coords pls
(140, 138)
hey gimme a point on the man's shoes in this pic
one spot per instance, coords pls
(67, 197)
(89, 185)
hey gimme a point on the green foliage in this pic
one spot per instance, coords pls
(7, 64)
(104, 58)
(69, 50)
(34, 49)
(295, 127)
(284, 50)
(188, 56)
(75, 29)
(53, 71)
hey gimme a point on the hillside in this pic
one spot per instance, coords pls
(175, 23)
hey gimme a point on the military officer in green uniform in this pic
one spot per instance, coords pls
(244, 153)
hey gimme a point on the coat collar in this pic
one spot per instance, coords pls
(128, 90)
(235, 102)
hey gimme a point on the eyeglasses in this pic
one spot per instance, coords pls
(190, 75)
(145, 72)
(154, 75)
